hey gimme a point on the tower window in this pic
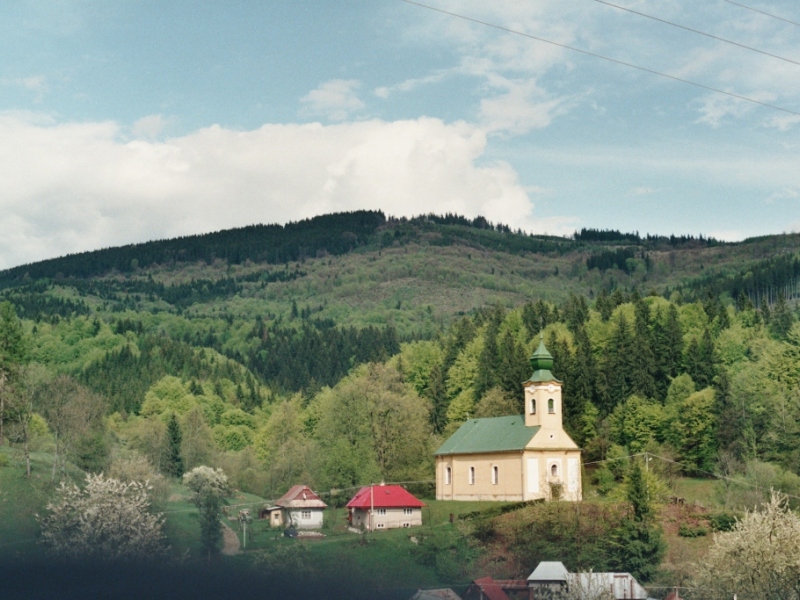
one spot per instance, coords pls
(551, 406)
(533, 406)
(448, 476)
(472, 475)
(495, 474)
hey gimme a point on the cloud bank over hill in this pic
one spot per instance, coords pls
(80, 186)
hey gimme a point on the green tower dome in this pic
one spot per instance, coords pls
(541, 363)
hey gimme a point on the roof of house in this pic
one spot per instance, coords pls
(549, 571)
(490, 588)
(384, 496)
(440, 594)
(495, 434)
(300, 496)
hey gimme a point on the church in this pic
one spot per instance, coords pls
(516, 458)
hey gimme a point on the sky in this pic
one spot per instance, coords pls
(128, 121)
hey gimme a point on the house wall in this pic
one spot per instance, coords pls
(522, 476)
(314, 521)
(393, 519)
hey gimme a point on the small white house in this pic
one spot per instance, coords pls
(300, 508)
(384, 507)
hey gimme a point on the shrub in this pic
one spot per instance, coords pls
(722, 521)
(688, 531)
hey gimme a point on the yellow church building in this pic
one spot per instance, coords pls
(516, 458)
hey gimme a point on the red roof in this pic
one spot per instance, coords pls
(300, 496)
(490, 588)
(384, 496)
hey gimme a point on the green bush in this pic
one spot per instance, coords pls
(688, 531)
(722, 521)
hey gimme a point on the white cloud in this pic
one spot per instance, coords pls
(335, 99)
(81, 186)
(149, 127)
(523, 107)
(408, 85)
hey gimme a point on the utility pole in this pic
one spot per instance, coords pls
(371, 505)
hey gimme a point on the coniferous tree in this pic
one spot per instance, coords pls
(638, 545)
(604, 305)
(575, 312)
(782, 319)
(617, 368)
(700, 360)
(174, 458)
(437, 394)
(583, 376)
(642, 360)
(512, 368)
(488, 363)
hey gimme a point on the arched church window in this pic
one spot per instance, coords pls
(448, 476)
(554, 470)
(495, 474)
(533, 406)
(551, 406)
(472, 475)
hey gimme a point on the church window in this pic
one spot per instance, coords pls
(448, 476)
(554, 470)
(495, 475)
(533, 406)
(551, 406)
(472, 475)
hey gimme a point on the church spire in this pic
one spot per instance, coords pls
(541, 363)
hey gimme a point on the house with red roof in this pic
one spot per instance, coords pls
(384, 507)
(300, 508)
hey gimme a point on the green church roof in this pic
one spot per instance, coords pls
(496, 434)
(541, 363)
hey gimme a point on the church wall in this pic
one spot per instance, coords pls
(538, 469)
(508, 487)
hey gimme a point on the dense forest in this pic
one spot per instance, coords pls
(344, 349)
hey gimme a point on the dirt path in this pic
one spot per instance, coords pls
(230, 540)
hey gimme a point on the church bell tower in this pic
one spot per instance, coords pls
(543, 392)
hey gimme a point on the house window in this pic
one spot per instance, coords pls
(533, 406)
(554, 470)
(472, 475)
(408, 511)
(306, 514)
(551, 408)
(381, 511)
(448, 476)
(495, 474)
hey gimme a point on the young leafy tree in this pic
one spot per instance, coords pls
(174, 462)
(21, 406)
(210, 488)
(71, 411)
(13, 351)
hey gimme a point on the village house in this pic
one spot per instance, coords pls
(516, 458)
(300, 508)
(384, 507)
(551, 581)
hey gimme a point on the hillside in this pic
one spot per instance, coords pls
(342, 350)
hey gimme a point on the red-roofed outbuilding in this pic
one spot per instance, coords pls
(384, 507)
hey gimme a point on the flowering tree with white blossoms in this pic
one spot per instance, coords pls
(759, 559)
(107, 520)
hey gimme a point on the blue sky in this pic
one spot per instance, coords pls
(128, 121)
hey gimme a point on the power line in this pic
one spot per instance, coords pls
(762, 12)
(613, 60)
(697, 31)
